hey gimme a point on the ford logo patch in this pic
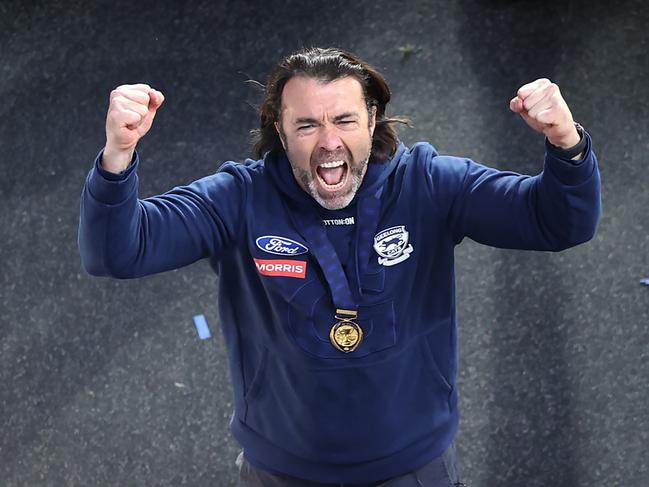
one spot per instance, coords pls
(280, 245)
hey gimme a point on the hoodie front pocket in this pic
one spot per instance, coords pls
(350, 411)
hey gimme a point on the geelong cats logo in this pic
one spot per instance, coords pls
(280, 245)
(392, 245)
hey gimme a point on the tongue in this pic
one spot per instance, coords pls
(332, 176)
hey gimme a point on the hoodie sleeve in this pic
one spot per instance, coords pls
(554, 210)
(123, 236)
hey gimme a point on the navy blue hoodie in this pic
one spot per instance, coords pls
(301, 406)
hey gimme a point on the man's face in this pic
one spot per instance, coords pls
(326, 132)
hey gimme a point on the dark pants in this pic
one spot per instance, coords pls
(441, 472)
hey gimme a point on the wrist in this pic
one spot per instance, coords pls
(568, 140)
(571, 147)
(116, 161)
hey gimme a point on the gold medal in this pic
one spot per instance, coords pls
(346, 335)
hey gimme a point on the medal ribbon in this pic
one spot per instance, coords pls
(310, 225)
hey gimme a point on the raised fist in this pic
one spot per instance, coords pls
(543, 108)
(130, 116)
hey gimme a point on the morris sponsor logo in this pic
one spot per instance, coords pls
(280, 245)
(278, 267)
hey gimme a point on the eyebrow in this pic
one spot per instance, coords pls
(337, 118)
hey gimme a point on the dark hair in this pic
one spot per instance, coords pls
(326, 65)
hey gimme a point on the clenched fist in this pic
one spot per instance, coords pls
(130, 115)
(543, 108)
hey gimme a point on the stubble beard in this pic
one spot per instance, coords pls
(337, 202)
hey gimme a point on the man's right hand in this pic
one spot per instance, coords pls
(130, 116)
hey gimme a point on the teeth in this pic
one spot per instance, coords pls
(329, 165)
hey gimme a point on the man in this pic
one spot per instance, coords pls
(335, 256)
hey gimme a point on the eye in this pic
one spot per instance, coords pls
(305, 127)
(347, 124)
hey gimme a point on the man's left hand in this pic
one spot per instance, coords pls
(543, 108)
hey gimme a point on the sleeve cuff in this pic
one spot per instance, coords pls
(110, 188)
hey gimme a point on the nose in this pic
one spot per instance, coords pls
(329, 139)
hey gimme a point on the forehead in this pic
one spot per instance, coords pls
(304, 96)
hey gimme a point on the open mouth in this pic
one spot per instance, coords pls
(332, 176)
